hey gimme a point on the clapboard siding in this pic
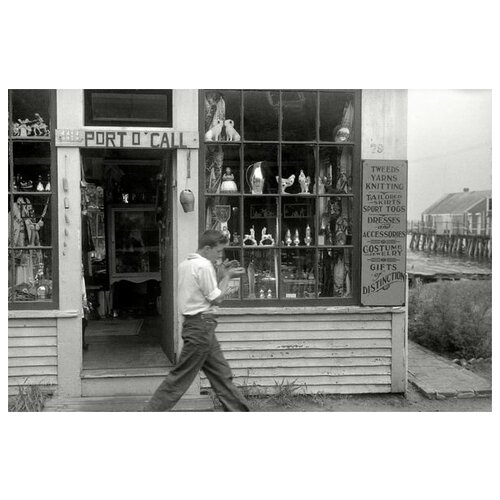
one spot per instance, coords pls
(32, 353)
(328, 353)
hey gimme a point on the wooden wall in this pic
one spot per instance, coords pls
(32, 353)
(331, 353)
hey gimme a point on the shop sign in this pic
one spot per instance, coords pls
(383, 250)
(126, 138)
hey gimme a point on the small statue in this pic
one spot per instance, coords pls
(269, 294)
(24, 128)
(342, 184)
(286, 183)
(214, 134)
(288, 238)
(308, 239)
(249, 239)
(228, 185)
(231, 134)
(304, 183)
(39, 127)
(236, 239)
(266, 239)
(262, 294)
(39, 186)
(296, 238)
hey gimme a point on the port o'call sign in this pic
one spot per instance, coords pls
(383, 232)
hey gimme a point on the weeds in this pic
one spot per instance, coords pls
(452, 318)
(29, 398)
(285, 392)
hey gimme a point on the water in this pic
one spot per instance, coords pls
(434, 263)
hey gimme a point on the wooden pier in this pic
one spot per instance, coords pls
(472, 246)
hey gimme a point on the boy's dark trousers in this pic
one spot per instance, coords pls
(201, 351)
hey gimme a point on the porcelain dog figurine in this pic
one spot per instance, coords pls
(231, 134)
(214, 134)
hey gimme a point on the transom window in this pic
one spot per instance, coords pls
(140, 108)
(281, 179)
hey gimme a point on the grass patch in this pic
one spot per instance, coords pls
(452, 318)
(29, 398)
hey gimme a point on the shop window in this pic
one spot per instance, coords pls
(140, 108)
(281, 179)
(32, 219)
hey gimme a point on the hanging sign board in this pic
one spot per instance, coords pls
(126, 138)
(383, 250)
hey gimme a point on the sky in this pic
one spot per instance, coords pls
(449, 144)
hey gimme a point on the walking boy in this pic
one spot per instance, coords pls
(198, 295)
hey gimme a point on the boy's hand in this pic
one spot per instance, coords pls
(234, 272)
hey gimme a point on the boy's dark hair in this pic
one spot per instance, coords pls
(212, 238)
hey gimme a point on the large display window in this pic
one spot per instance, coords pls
(32, 239)
(281, 179)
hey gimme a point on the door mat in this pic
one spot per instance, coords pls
(106, 327)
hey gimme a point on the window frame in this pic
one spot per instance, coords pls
(54, 247)
(355, 144)
(89, 120)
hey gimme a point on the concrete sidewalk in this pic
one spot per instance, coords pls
(439, 378)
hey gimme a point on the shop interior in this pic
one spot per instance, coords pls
(122, 216)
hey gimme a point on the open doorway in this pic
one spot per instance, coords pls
(127, 266)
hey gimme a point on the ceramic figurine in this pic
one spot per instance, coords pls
(266, 239)
(269, 294)
(39, 186)
(47, 186)
(249, 239)
(286, 183)
(24, 128)
(262, 294)
(236, 239)
(288, 238)
(296, 239)
(214, 134)
(15, 129)
(231, 134)
(39, 127)
(228, 185)
(342, 185)
(308, 239)
(304, 182)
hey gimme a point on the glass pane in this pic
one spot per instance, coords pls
(261, 115)
(335, 220)
(222, 169)
(30, 113)
(335, 170)
(30, 221)
(222, 115)
(135, 106)
(298, 221)
(31, 167)
(234, 291)
(259, 282)
(30, 275)
(298, 169)
(335, 273)
(299, 116)
(137, 242)
(260, 221)
(223, 214)
(261, 168)
(336, 117)
(297, 276)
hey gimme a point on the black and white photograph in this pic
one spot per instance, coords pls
(313, 248)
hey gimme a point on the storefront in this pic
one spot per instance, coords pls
(309, 186)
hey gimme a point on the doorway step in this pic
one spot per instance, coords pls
(188, 403)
